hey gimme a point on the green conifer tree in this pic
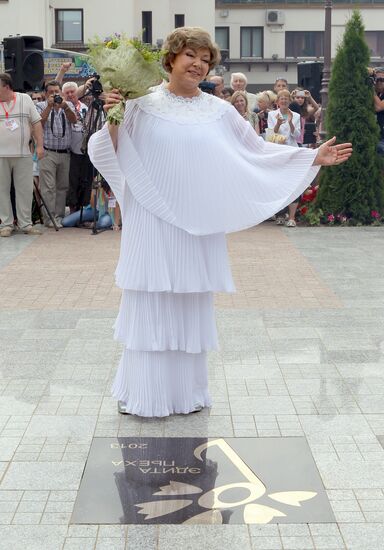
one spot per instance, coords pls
(354, 188)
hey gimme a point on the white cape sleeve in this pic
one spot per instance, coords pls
(238, 181)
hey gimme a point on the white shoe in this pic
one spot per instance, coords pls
(31, 230)
(6, 231)
(122, 407)
(290, 223)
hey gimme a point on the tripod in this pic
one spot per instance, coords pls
(40, 202)
(94, 121)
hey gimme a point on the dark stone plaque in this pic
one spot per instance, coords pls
(198, 480)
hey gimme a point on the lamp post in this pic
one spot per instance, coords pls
(327, 66)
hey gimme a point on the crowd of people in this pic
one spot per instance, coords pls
(278, 115)
(43, 145)
(51, 123)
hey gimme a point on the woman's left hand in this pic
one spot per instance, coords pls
(290, 115)
(329, 154)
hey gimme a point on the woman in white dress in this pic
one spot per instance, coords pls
(185, 168)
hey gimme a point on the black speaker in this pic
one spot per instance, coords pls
(24, 61)
(309, 74)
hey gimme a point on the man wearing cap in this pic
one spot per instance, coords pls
(19, 120)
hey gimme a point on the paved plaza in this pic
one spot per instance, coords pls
(302, 355)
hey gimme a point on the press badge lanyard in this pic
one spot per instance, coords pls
(11, 109)
(62, 124)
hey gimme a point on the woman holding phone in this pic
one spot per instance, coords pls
(306, 106)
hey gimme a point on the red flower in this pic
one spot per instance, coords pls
(303, 210)
(331, 218)
(375, 214)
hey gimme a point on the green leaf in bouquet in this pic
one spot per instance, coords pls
(125, 69)
(116, 114)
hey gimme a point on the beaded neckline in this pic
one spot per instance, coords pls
(199, 109)
(173, 96)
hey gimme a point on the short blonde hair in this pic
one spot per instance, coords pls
(271, 94)
(263, 96)
(189, 37)
(237, 94)
(284, 92)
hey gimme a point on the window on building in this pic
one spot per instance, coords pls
(222, 37)
(251, 41)
(146, 22)
(179, 20)
(69, 25)
(375, 41)
(304, 44)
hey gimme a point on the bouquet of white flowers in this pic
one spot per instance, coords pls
(127, 65)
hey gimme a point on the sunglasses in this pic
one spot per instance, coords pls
(379, 79)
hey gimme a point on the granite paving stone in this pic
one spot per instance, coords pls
(302, 354)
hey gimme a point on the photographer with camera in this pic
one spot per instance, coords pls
(379, 105)
(57, 117)
(79, 170)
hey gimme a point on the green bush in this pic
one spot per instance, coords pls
(355, 188)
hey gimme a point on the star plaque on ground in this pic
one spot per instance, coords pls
(201, 481)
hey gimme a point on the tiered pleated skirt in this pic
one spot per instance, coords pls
(166, 318)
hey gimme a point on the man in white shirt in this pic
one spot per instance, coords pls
(19, 120)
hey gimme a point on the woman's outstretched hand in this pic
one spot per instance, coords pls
(329, 154)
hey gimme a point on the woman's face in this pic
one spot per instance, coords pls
(190, 67)
(263, 104)
(283, 102)
(240, 104)
(299, 100)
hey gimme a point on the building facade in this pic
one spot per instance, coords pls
(263, 39)
(70, 24)
(266, 39)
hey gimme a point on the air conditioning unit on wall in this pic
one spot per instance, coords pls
(274, 17)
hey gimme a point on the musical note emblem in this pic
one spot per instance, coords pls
(212, 500)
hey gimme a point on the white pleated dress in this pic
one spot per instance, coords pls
(186, 172)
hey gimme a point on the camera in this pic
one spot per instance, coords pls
(96, 88)
(57, 99)
(372, 78)
(207, 87)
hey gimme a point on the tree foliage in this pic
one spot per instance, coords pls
(355, 188)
